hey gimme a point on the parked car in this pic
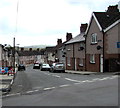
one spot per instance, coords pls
(45, 67)
(21, 67)
(57, 67)
(36, 66)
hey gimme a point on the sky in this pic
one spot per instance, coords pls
(42, 22)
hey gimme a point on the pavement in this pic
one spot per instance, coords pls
(6, 82)
(91, 73)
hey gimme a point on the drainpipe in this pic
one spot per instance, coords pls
(85, 53)
(103, 51)
(73, 58)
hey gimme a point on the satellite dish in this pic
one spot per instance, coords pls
(99, 47)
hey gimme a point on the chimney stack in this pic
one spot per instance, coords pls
(30, 49)
(113, 9)
(22, 49)
(59, 41)
(83, 28)
(68, 36)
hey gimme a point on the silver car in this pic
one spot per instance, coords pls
(58, 67)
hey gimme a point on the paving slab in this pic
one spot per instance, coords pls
(6, 82)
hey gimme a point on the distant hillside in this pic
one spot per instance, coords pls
(36, 46)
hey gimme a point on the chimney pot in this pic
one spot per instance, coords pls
(83, 28)
(22, 49)
(113, 9)
(68, 36)
(59, 41)
(30, 49)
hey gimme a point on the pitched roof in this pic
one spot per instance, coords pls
(105, 19)
(50, 49)
(78, 38)
(29, 53)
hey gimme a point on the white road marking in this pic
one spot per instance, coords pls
(36, 90)
(29, 91)
(11, 95)
(105, 78)
(49, 88)
(96, 79)
(72, 80)
(78, 83)
(64, 85)
(115, 76)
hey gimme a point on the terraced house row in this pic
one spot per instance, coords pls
(96, 48)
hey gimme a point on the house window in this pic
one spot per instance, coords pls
(94, 38)
(92, 58)
(82, 46)
(81, 62)
(68, 61)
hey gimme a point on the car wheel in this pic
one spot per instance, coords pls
(64, 71)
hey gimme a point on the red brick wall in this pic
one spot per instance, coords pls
(108, 56)
(93, 67)
(80, 68)
(71, 67)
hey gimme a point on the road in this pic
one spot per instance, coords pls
(42, 88)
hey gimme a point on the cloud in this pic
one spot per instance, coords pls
(43, 21)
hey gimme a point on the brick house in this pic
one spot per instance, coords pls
(75, 51)
(4, 58)
(61, 52)
(56, 53)
(49, 55)
(101, 39)
(1, 56)
(30, 56)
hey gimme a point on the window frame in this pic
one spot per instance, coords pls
(81, 62)
(94, 38)
(68, 61)
(92, 58)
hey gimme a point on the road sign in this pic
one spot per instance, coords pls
(118, 44)
(3, 70)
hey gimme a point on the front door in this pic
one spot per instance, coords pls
(101, 63)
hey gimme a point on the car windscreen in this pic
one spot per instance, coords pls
(59, 64)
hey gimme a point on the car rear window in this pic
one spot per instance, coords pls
(36, 64)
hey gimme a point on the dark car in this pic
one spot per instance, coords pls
(36, 66)
(21, 67)
(58, 67)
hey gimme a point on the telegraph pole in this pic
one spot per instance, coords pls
(14, 54)
(15, 36)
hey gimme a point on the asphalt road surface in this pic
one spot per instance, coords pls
(42, 88)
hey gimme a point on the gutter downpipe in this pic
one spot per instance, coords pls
(103, 50)
(73, 58)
